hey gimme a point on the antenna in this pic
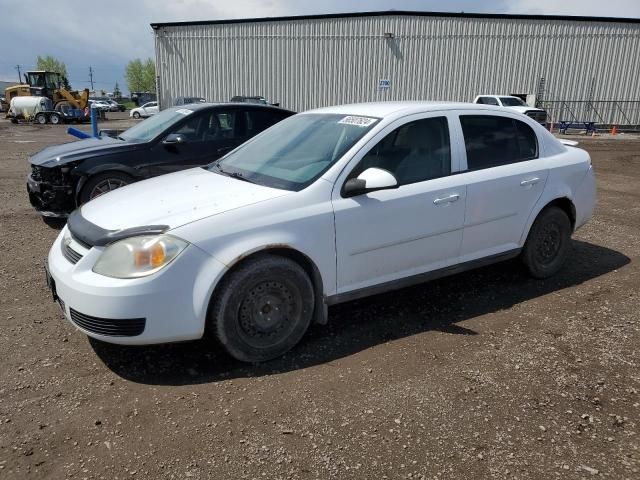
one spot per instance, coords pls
(91, 77)
(19, 74)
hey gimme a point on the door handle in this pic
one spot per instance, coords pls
(448, 199)
(530, 181)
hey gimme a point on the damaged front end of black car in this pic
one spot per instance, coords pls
(52, 189)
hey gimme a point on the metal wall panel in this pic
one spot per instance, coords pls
(308, 63)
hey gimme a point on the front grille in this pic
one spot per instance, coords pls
(48, 175)
(125, 327)
(36, 173)
(70, 254)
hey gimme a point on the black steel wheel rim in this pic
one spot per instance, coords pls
(267, 313)
(549, 243)
(105, 186)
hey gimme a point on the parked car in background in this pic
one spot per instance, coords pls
(189, 100)
(252, 99)
(514, 103)
(146, 110)
(68, 175)
(327, 206)
(114, 106)
(100, 105)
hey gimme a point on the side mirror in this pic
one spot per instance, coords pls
(174, 139)
(370, 180)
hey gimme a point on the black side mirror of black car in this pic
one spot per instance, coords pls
(174, 139)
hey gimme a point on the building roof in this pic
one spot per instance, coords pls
(386, 13)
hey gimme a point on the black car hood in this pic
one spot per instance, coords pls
(80, 150)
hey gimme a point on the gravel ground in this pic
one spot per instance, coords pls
(487, 374)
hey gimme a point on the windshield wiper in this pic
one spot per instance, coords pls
(236, 175)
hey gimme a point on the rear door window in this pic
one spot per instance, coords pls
(492, 141)
(259, 119)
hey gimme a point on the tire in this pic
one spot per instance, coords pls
(104, 182)
(55, 119)
(41, 118)
(548, 244)
(136, 115)
(54, 222)
(261, 310)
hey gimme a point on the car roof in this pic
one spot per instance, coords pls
(498, 95)
(384, 109)
(204, 105)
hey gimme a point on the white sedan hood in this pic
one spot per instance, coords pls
(174, 200)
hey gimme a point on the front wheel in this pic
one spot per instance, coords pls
(548, 243)
(136, 115)
(262, 309)
(103, 183)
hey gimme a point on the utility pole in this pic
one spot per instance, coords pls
(19, 74)
(91, 77)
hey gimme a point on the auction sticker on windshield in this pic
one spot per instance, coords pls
(184, 111)
(358, 121)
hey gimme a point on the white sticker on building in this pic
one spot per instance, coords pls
(358, 121)
(184, 111)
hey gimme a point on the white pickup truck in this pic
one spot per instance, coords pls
(514, 103)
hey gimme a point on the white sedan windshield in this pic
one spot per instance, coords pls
(295, 152)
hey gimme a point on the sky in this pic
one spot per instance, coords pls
(106, 35)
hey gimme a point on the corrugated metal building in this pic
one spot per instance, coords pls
(311, 61)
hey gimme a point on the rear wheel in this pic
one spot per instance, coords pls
(41, 118)
(262, 309)
(103, 183)
(548, 243)
(54, 118)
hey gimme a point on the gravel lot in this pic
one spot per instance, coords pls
(487, 374)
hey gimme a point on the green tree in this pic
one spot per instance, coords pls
(141, 75)
(51, 64)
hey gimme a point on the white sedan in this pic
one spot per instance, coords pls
(144, 111)
(327, 206)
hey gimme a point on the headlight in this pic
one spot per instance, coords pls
(138, 256)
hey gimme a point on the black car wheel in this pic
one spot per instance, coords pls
(103, 183)
(54, 118)
(262, 309)
(41, 118)
(548, 243)
(136, 115)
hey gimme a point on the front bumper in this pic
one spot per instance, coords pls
(171, 305)
(49, 199)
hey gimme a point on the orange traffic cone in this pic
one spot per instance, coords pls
(614, 130)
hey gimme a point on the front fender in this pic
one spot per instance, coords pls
(83, 172)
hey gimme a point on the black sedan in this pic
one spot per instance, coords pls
(66, 176)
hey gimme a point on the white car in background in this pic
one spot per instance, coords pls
(100, 105)
(146, 110)
(514, 103)
(326, 206)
